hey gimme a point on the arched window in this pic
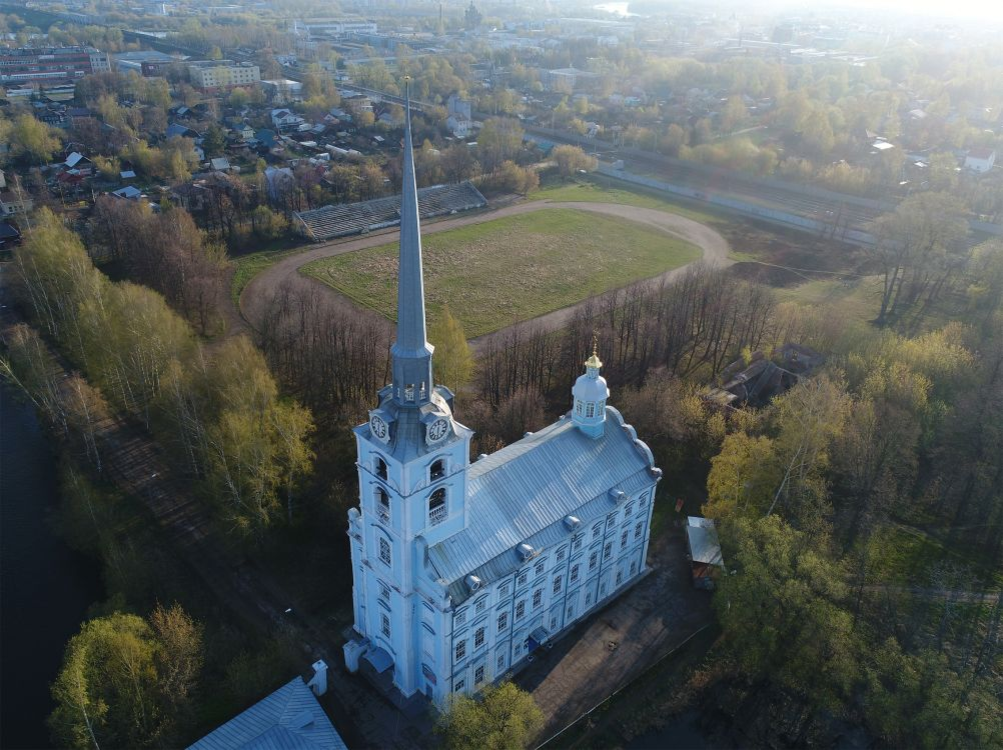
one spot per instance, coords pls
(383, 504)
(381, 468)
(437, 470)
(385, 555)
(579, 409)
(590, 409)
(437, 507)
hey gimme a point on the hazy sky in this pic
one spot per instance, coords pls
(990, 10)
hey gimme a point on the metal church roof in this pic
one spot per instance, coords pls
(288, 719)
(523, 492)
(702, 537)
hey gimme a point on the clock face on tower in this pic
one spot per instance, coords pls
(437, 430)
(378, 427)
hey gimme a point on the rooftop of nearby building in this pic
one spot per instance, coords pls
(288, 719)
(523, 493)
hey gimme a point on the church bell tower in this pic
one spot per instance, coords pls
(412, 463)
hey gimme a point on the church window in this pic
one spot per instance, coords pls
(409, 392)
(423, 391)
(502, 621)
(381, 468)
(503, 591)
(523, 576)
(383, 505)
(561, 553)
(607, 552)
(574, 573)
(537, 598)
(593, 560)
(557, 585)
(619, 577)
(437, 507)
(479, 675)
(481, 604)
(385, 551)
(384, 591)
(579, 408)
(538, 568)
(590, 409)
(461, 650)
(628, 509)
(596, 530)
(577, 544)
(623, 539)
(501, 662)
(460, 617)
(459, 686)
(479, 638)
(385, 625)
(638, 529)
(437, 470)
(611, 519)
(520, 610)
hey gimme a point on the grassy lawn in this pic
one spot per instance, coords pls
(246, 267)
(854, 299)
(597, 192)
(503, 271)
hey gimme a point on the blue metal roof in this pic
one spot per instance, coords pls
(523, 492)
(288, 719)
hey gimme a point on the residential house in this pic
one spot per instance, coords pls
(12, 205)
(283, 119)
(177, 129)
(980, 160)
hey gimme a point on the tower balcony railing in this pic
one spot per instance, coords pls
(437, 515)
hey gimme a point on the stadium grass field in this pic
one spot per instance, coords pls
(512, 269)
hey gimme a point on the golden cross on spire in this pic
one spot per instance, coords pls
(594, 362)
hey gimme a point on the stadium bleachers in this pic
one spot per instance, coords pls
(329, 222)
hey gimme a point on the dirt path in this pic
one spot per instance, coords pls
(714, 247)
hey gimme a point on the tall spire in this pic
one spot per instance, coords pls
(412, 354)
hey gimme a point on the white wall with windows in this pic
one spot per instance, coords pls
(553, 591)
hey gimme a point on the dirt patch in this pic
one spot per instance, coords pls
(786, 258)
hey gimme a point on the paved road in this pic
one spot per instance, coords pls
(714, 247)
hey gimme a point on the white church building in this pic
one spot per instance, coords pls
(463, 568)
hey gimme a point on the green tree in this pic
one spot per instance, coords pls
(213, 141)
(505, 718)
(454, 363)
(32, 139)
(733, 115)
(256, 446)
(56, 276)
(571, 159)
(125, 683)
(914, 247)
(499, 139)
(781, 611)
(743, 477)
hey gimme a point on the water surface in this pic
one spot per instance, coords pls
(45, 587)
